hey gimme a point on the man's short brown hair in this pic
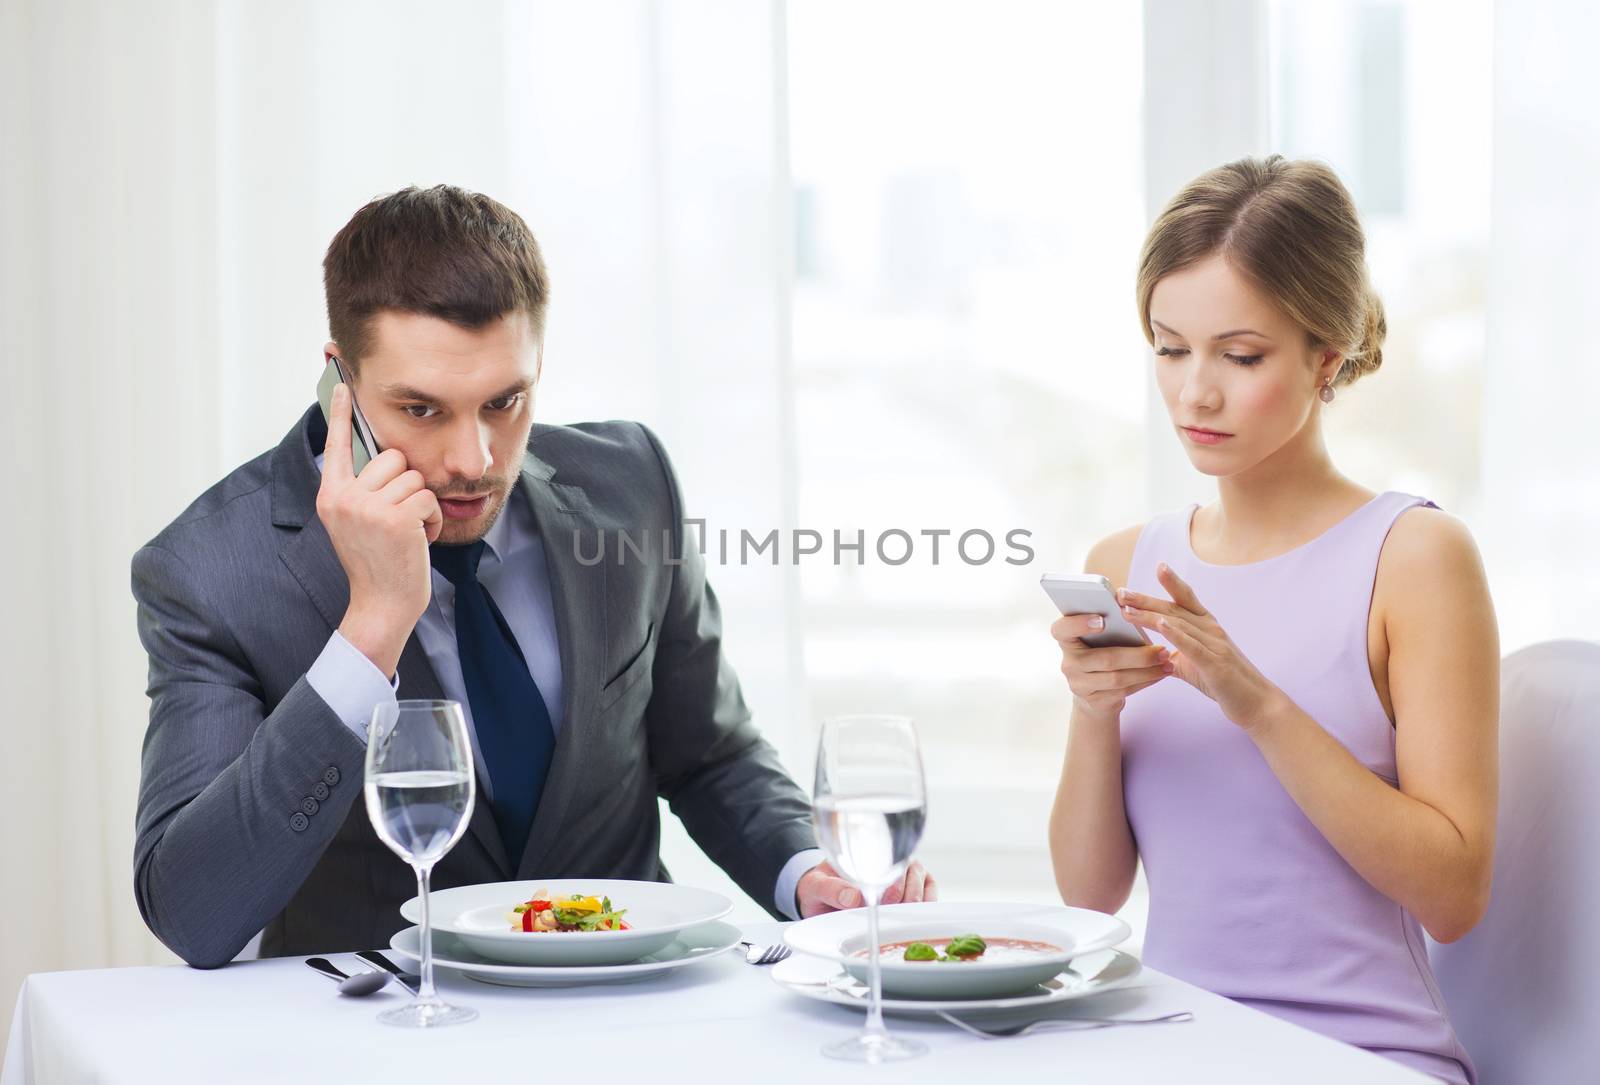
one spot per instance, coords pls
(441, 251)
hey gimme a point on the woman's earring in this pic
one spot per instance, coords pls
(1326, 394)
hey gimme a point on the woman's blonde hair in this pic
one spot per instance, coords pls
(1291, 229)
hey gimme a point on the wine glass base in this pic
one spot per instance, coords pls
(875, 1047)
(427, 1015)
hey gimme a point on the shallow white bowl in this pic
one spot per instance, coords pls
(839, 936)
(656, 912)
(982, 977)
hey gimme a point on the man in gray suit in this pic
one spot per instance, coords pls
(297, 593)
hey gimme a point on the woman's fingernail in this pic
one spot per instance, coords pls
(1168, 667)
(1097, 622)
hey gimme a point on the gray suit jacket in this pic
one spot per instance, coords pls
(249, 800)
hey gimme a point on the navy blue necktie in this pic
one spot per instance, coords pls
(508, 712)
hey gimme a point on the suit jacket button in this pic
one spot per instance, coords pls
(331, 777)
(309, 805)
(320, 792)
(299, 822)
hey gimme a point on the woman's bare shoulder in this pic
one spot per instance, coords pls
(1112, 556)
(1428, 555)
(1425, 537)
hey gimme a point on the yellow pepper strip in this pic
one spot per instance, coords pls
(579, 904)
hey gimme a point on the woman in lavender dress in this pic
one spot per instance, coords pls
(1305, 758)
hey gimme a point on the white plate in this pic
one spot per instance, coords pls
(837, 936)
(656, 912)
(1088, 975)
(695, 944)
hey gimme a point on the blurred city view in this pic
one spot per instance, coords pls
(965, 338)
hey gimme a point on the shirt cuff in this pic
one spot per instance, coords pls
(350, 683)
(789, 879)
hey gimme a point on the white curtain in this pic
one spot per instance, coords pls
(170, 174)
(110, 340)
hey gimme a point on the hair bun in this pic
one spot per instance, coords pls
(1369, 356)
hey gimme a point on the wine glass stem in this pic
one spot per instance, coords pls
(425, 991)
(874, 971)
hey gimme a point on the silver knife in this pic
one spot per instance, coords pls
(411, 980)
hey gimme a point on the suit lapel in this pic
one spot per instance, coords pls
(308, 553)
(578, 595)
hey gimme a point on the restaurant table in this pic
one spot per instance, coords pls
(718, 1021)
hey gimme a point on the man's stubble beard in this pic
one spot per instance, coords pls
(463, 533)
(470, 531)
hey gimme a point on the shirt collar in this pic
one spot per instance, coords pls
(513, 530)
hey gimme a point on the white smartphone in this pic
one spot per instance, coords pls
(1086, 593)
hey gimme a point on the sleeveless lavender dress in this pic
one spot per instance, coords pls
(1247, 898)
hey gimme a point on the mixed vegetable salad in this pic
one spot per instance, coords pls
(577, 912)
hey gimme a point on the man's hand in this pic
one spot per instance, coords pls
(380, 523)
(820, 889)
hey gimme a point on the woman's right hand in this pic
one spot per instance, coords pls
(1102, 679)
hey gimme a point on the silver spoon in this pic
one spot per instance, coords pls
(362, 983)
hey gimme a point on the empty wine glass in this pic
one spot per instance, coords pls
(420, 790)
(869, 805)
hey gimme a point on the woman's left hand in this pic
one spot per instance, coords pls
(1206, 658)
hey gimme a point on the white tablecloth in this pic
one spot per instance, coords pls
(720, 1021)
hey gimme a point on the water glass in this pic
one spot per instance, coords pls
(869, 806)
(419, 790)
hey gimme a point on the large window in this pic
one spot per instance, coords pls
(968, 217)
(969, 206)
(1396, 97)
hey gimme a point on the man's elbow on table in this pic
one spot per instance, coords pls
(212, 949)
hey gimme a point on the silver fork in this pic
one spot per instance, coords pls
(1070, 1024)
(754, 954)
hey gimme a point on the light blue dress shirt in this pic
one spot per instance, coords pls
(514, 573)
